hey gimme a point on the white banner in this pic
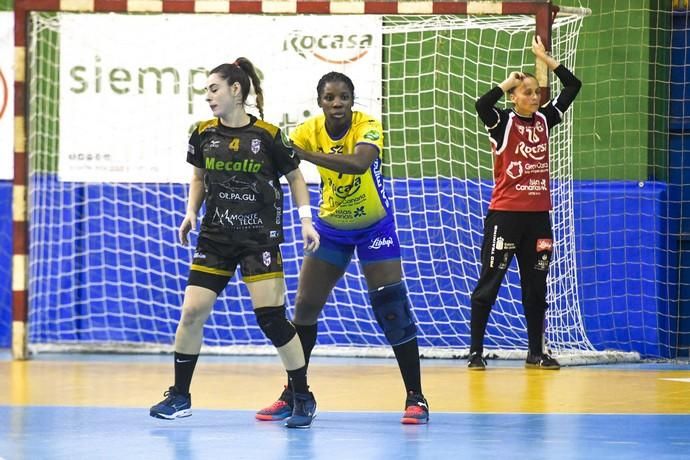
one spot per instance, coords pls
(132, 86)
(6, 95)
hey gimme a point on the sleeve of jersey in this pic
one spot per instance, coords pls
(194, 154)
(285, 158)
(571, 86)
(485, 107)
(370, 132)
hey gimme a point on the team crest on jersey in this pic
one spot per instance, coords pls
(267, 258)
(372, 135)
(256, 145)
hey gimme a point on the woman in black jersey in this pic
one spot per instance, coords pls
(238, 161)
(518, 222)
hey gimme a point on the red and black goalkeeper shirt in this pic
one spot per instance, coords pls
(521, 147)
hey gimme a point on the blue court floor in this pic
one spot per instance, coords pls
(88, 407)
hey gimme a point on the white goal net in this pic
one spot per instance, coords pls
(106, 272)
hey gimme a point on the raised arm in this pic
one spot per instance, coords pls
(485, 104)
(571, 84)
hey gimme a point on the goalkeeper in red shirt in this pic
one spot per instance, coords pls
(518, 222)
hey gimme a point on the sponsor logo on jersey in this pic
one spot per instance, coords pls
(234, 196)
(372, 135)
(544, 245)
(537, 152)
(543, 263)
(247, 165)
(376, 168)
(343, 191)
(267, 258)
(228, 219)
(535, 185)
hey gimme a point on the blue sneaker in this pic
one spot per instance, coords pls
(279, 410)
(303, 412)
(175, 405)
(416, 410)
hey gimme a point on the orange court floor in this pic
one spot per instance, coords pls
(100, 401)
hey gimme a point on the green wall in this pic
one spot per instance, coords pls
(621, 114)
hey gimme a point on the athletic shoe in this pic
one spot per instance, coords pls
(304, 411)
(543, 361)
(175, 405)
(416, 410)
(476, 362)
(279, 410)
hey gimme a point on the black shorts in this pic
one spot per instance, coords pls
(214, 264)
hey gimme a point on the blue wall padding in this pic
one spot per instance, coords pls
(100, 248)
(5, 263)
(623, 255)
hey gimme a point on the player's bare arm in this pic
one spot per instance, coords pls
(356, 163)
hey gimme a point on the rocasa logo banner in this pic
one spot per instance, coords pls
(330, 48)
(6, 95)
(149, 96)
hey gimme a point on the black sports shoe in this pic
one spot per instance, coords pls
(543, 361)
(303, 412)
(416, 410)
(175, 405)
(476, 362)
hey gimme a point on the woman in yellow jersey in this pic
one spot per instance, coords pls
(354, 214)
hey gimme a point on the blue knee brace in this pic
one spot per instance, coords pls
(392, 311)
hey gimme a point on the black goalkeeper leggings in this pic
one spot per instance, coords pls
(528, 236)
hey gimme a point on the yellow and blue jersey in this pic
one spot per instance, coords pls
(348, 201)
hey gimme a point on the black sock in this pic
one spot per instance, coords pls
(535, 330)
(478, 320)
(184, 369)
(407, 355)
(307, 335)
(298, 380)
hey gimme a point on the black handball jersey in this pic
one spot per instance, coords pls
(243, 194)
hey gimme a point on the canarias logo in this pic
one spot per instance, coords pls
(334, 49)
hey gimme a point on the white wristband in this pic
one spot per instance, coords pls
(304, 212)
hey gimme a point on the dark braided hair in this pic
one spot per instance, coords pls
(242, 71)
(331, 77)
